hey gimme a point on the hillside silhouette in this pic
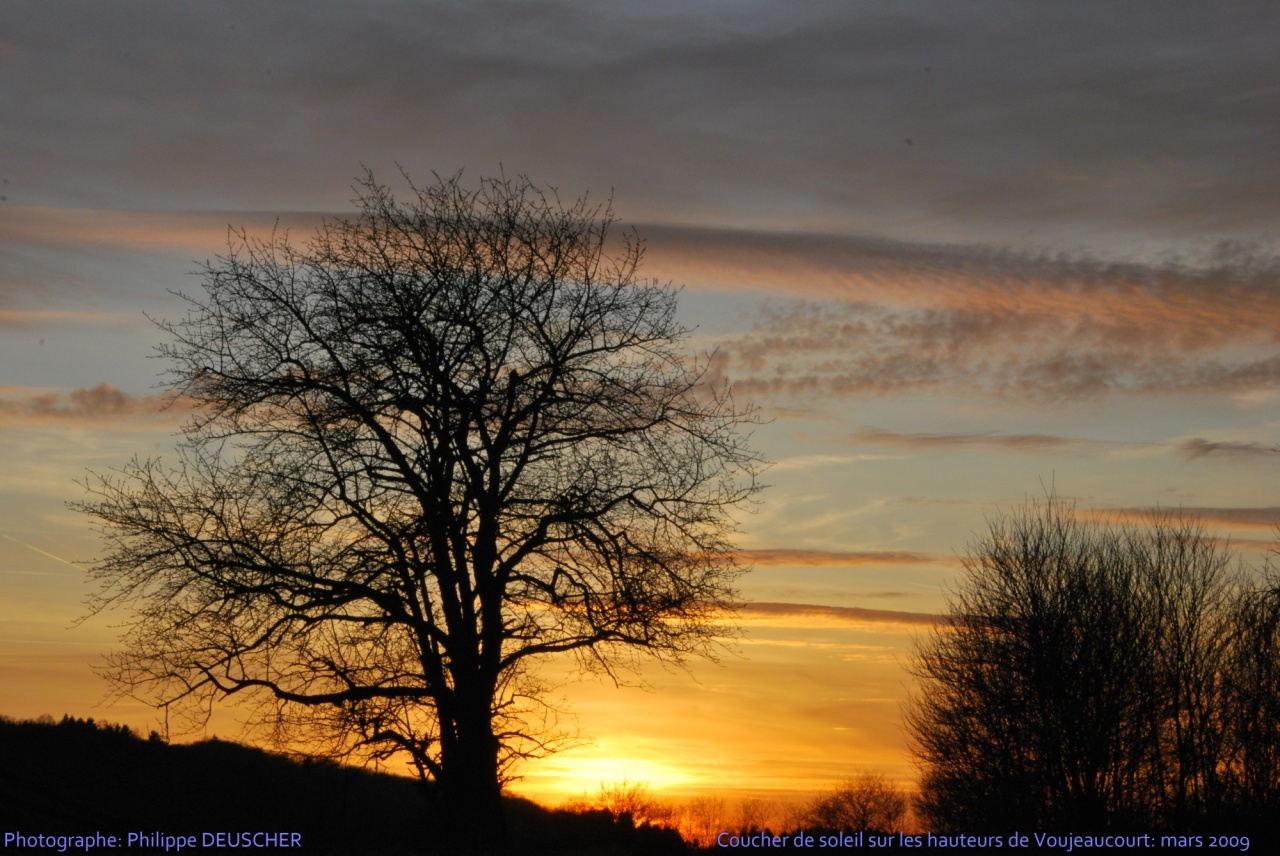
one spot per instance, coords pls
(77, 777)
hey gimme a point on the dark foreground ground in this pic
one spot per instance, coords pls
(79, 778)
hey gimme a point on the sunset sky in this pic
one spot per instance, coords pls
(957, 254)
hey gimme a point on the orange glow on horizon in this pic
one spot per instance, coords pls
(567, 777)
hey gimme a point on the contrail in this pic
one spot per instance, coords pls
(42, 552)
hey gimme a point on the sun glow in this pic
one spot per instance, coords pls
(584, 771)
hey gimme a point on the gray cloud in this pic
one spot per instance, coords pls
(1027, 125)
(969, 319)
(881, 317)
(950, 131)
(874, 351)
(1198, 447)
(1203, 292)
(1268, 517)
(1014, 442)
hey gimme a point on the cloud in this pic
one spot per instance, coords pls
(193, 232)
(1046, 128)
(873, 351)
(1245, 518)
(1014, 442)
(1198, 447)
(864, 268)
(879, 317)
(103, 403)
(1084, 118)
(1255, 545)
(27, 317)
(824, 558)
(806, 462)
(805, 614)
(1020, 328)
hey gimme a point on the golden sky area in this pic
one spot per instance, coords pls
(955, 263)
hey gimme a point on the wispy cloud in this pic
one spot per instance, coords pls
(194, 232)
(927, 441)
(971, 321)
(1198, 447)
(102, 403)
(806, 614)
(1255, 545)
(29, 317)
(805, 462)
(1247, 518)
(1199, 293)
(928, 115)
(825, 558)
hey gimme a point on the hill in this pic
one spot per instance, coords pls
(79, 777)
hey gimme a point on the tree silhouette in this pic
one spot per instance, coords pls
(631, 798)
(1252, 694)
(866, 802)
(1080, 679)
(433, 444)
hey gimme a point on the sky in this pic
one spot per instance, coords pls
(958, 255)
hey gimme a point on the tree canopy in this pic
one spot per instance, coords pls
(432, 444)
(866, 802)
(1094, 676)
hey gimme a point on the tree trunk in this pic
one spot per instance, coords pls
(470, 795)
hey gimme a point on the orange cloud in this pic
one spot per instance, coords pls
(1245, 518)
(861, 349)
(867, 317)
(196, 232)
(808, 614)
(1207, 300)
(102, 403)
(1255, 545)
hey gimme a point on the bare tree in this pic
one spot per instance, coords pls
(1077, 680)
(756, 815)
(434, 444)
(866, 802)
(1253, 703)
(631, 798)
(700, 819)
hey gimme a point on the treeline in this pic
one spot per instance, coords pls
(1092, 677)
(862, 802)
